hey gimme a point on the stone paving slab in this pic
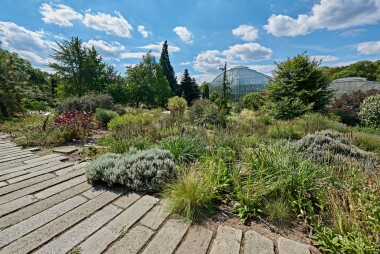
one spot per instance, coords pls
(254, 243)
(132, 242)
(24, 184)
(50, 230)
(50, 156)
(28, 167)
(197, 241)
(66, 149)
(29, 170)
(42, 205)
(14, 232)
(16, 204)
(2, 184)
(77, 234)
(47, 169)
(14, 153)
(9, 150)
(94, 191)
(155, 217)
(20, 161)
(99, 241)
(287, 246)
(23, 156)
(168, 238)
(70, 169)
(39, 186)
(60, 187)
(126, 200)
(227, 240)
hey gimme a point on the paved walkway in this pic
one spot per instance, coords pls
(47, 206)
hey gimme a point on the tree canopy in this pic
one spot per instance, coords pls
(189, 87)
(298, 85)
(168, 70)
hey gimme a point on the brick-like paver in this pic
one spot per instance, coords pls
(155, 217)
(287, 246)
(254, 243)
(227, 241)
(197, 241)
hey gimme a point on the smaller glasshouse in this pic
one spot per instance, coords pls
(242, 80)
(351, 84)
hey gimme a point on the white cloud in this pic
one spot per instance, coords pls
(265, 68)
(158, 47)
(209, 61)
(246, 32)
(143, 32)
(28, 44)
(248, 52)
(185, 63)
(137, 55)
(200, 78)
(327, 14)
(369, 48)
(327, 58)
(184, 34)
(107, 50)
(59, 14)
(109, 24)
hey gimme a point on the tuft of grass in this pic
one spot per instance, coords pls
(279, 213)
(190, 196)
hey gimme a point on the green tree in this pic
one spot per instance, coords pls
(168, 70)
(370, 111)
(80, 69)
(146, 83)
(189, 87)
(225, 90)
(205, 88)
(298, 85)
(253, 101)
(14, 78)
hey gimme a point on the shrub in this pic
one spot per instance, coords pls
(137, 170)
(87, 103)
(33, 104)
(283, 131)
(253, 101)
(287, 108)
(278, 213)
(105, 116)
(131, 125)
(81, 123)
(370, 111)
(366, 141)
(311, 123)
(329, 147)
(190, 196)
(177, 106)
(185, 149)
(347, 107)
(205, 112)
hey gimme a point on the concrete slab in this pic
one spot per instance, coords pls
(287, 246)
(50, 156)
(168, 238)
(16, 204)
(127, 200)
(24, 184)
(94, 191)
(197, 241)
(77, 234)
(227, 241)
(132, 242)
(65, 149)
(155, 217)
(255, 243)
(60, 187)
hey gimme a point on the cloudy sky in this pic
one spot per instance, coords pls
(202, 34)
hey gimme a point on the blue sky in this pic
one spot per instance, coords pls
(202, 34)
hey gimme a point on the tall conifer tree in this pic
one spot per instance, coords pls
(168, 70)
(189, 88)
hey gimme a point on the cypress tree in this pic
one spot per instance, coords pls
(189, 87)
(168, 70)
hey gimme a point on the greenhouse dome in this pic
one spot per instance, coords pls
(242, 80)
(348, 85)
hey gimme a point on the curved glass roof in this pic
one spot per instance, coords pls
(350, 84)
(242, 80)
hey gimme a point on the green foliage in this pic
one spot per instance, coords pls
(313, 122)
(177, 106)
(204, 112)
(364, 69)
(189, 88)
(89, 103)
(370, 111)
(283, 131)
(105, 116)
(168, 70)
(147, 84)
(132, 125)
(205, 88)
(347, 107)
(279, 213)
(298, 85)
(366, 141)
(191, 196)
(253, 101)
(146, 170)
(331, 148)
(185, 149)
(214, 96)
(33, 104)
(80, 69)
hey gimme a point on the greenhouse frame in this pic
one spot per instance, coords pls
(351, 84)
(242, 81)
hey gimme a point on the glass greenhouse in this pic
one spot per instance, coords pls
(348, 85)
(242, 80)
